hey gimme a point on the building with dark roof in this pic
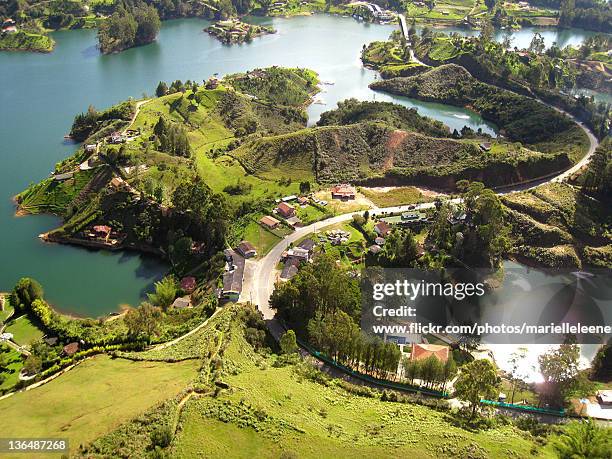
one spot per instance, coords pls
(290, 268)
(246, 249)
(232, 278)
(307, 244)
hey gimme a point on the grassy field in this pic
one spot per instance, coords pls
(310, 214)
(14, 367)
(24, 331)
(275, 411)
(341, 207)
(395, 196)
(260, 237)
(225, 170)
(93, 398)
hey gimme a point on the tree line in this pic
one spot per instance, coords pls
(586, 14)
(338, 336)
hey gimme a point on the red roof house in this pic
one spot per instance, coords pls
(424, 351)
(343, 191)
(71, 349)
(102, 230)
(269, 222)
(285, 210)
(382, 229)
(188, 284)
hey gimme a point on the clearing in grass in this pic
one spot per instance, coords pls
(93, 398)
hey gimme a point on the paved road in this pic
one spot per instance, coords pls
(263, 280)
(264, 277)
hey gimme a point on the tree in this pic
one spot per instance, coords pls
(537, 44)
(449, 371)
(207, 212)
(559, 368)
(165, 292)
(148, 24)
(180, 250)
(117, 32)
(162, 89)
(320, 287)
(400, 248)
(412, 369)
(359, 220)
(4, 361)
(583, 439)
(486, 238)
(516, 359)
(143, 322)
(305, 187)
(162, 436)
(491, 4)
(32, 365)
(601, 367)
(431, 370)
(288, 342)
(477, 380)
(486, 32)
(25, 292)
(129, 27)
(172, 138)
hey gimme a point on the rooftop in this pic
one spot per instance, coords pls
(246, 246)
(232, 280)
(269, 221)
(423, 351)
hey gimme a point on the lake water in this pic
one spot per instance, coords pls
(40, 95)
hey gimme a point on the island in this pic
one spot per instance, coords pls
(122, 26)
(234, 31)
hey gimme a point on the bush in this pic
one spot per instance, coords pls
(162, 436)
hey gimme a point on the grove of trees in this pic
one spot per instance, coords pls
(172, 138)
(126, 28)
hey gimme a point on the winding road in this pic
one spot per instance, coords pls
(262, 272)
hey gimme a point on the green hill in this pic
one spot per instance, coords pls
(519, 118)
(352, 111)
(277, 85)
(274, 406)
(375, 153)
(559, 226)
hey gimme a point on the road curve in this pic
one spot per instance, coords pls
(262, 284)
(263, 274)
